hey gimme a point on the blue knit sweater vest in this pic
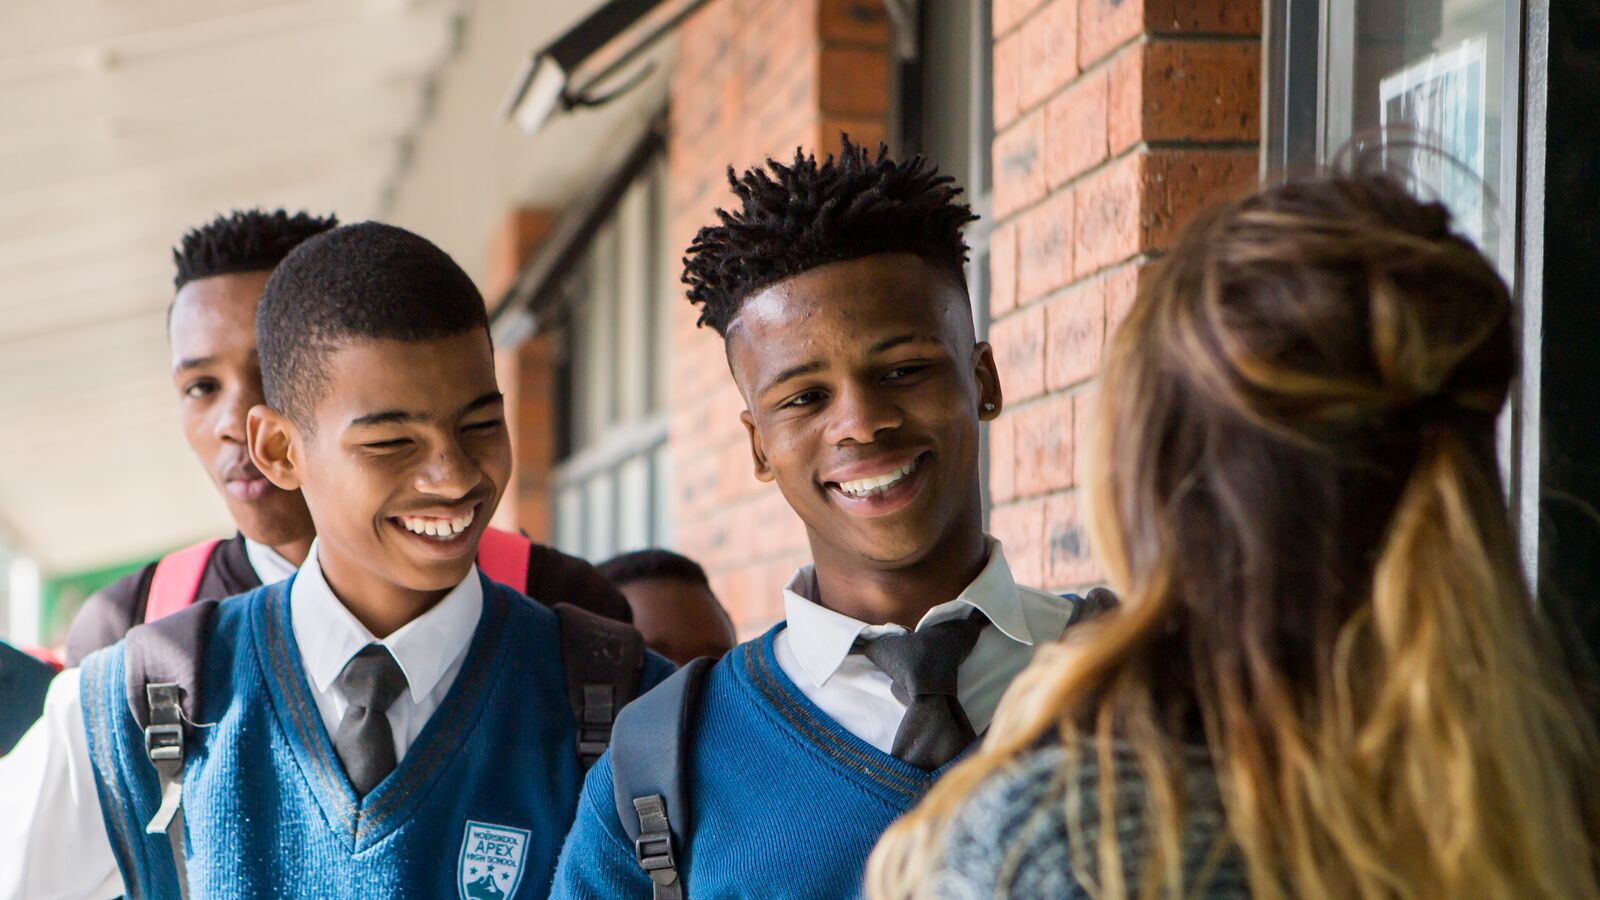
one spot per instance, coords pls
(786, 803)
(477, 807)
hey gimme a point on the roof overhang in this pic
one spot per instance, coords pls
(535, 298)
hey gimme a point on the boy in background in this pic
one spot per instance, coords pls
(673, 605)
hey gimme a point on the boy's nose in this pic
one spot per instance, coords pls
(861, 415)
(230, 422)
(448, 473)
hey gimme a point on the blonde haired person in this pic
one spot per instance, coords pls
(1328, 679)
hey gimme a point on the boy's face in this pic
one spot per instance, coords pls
(863, 388)
(218, 378)
(679, 619)
(406, 438)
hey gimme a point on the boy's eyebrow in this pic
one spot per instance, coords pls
(195, 362)
(805, 368)
(388, 417)
(402, 417)
(488, 399)
(897, 340)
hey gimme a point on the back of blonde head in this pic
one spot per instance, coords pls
(1294, 485)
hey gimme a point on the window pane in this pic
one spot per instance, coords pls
(633, 268)
(1434, 68)
(600, 532)
(598, 362)
(569, 520)
(662, 507)
(633, 504)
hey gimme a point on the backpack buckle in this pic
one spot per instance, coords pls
(653, 847)
(163, 737)
(163, 743)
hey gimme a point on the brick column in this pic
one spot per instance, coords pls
(754, 78)
(1115, 121)
(528, 379)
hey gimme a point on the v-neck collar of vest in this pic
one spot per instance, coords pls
(359, 822)
(778, 693)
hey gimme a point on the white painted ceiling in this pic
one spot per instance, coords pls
(125, 122)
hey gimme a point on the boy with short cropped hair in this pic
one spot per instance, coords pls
(388, 721)
(839, 290)
(673, 604)
(221, 270)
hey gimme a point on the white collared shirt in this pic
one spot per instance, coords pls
(270, 566)
(52, 837)
(813, 649)
(429, 649)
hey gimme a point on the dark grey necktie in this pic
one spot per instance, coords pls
(923, 664)
(370, 682)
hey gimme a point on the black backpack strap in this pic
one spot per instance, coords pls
(603, 661)
(648, 758)
(162, 661)
(1097, 602)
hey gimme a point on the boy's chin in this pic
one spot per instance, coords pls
(437, 577)
(888, 548)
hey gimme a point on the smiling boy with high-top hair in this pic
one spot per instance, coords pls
(839, 290)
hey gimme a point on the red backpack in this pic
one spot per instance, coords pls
(502, 555)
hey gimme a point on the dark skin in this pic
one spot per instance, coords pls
(864, 386)
(679, 619)
(415, 433)
(212, 331)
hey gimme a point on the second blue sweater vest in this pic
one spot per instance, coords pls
(477, 807)
(785, 802)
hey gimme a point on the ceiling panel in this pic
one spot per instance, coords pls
(126, 124)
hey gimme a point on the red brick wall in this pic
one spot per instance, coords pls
(754, 78)
(527, 377)
(1115, 121)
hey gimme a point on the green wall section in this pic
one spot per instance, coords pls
(60, 596)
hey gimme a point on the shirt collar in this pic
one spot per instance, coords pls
(270, 566)
(822, 638)
(329, 635)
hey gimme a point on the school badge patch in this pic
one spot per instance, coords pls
(491, 861)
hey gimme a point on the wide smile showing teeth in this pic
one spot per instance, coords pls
(439, 529)
(878, 484)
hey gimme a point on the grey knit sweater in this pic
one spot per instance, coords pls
(1011, 837)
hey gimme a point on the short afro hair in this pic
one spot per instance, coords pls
(359, 282)
(642, 565)
(248, 240)
(809, 214)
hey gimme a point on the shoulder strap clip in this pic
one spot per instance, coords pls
(594, 724)
(162, 668)
(163, 744)
(648, 757)
(653, 847)
(603, 661)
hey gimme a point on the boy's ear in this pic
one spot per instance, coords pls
(274, 446)
(759, 456)
(990, 399)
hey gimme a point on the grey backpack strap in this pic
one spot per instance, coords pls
(1097, 602)
(162, 660)
(648, 756)
(603, 660)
